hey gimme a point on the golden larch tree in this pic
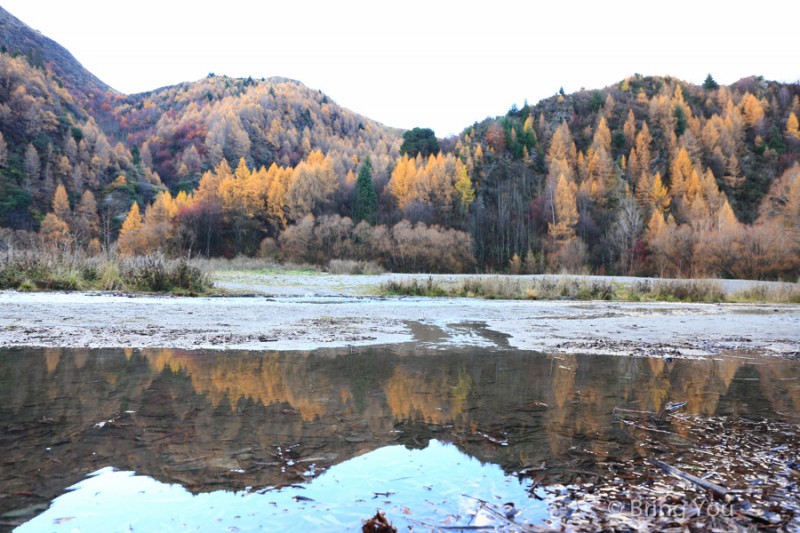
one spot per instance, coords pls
(313, 185)
(54, 232)
(629, 128)
(157, 227)
(564, 210)
(463, 185)
(562, 155)
(680, 173)
(792, 126)
(643, 141)
(752, 109)
(401, 185)
(61, 204)
(86, 220)
(130, 241)
(602, 136)
(651, 193)
(726, 219)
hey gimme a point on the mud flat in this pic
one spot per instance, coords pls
(312, 311)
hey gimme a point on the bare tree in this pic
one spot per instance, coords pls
(627, 231)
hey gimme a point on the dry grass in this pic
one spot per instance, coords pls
(788, 293)
(254, 264)
(349, 266)
(36, 270)
(587, 288)
(506, 288)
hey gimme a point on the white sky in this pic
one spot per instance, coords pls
(437, 64)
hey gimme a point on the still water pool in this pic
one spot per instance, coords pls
(164, 440)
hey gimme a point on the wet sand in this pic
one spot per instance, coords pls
(285, 312)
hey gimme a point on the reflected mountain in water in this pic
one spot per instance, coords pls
(211, 421)
(426, 484)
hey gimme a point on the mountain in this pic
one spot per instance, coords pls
(713, 148)
(192, 126)
(61, 124)
(652, 175)
(19, 39)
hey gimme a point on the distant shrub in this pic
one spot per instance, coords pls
(349, 266)
(688, 291)
(32, 270)
(155, 273)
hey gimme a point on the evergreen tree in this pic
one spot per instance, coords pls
(419, 141)
(710, 83)
(365, 202)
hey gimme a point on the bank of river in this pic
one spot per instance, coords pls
(312, 311)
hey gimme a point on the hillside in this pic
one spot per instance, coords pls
(652, 175)
(44, 53)
(48, 138)
(62, 125)
(192, 126)
(715, 151)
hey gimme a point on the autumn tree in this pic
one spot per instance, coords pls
(752, 109)
(54, 232)
(599, 167)
(652, 194)
(130, 240)
(782, 203)
(61, 204)
(86, 221)
(313, 185)
(639, 161)
(629, 128)
(401, 185)
(156, 230)
(564, 210)
(562, 155)
(791, 126)
(681, 173)
(466, 192)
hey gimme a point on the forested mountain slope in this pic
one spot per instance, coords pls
(640, 176)
(652, 175)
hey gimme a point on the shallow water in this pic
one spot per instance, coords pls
(169, 439)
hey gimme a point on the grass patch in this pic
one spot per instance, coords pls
(351, 267)
(587, 288)
(254, 265)
(787, 293)
(505, 288)
(32, 271)
(693, 290)
(414, 287)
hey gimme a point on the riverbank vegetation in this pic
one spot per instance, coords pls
(588, 288)
(30, 271)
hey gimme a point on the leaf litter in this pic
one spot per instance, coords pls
(692, 473)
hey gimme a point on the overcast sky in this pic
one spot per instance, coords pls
(436, 64)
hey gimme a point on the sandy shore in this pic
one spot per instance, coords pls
(307, 312)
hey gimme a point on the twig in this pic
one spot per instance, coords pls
(713, 487)
(425, 524)
(634, 411)
(637, 426)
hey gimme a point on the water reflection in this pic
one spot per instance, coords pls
(228, 421)
(336, 501)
